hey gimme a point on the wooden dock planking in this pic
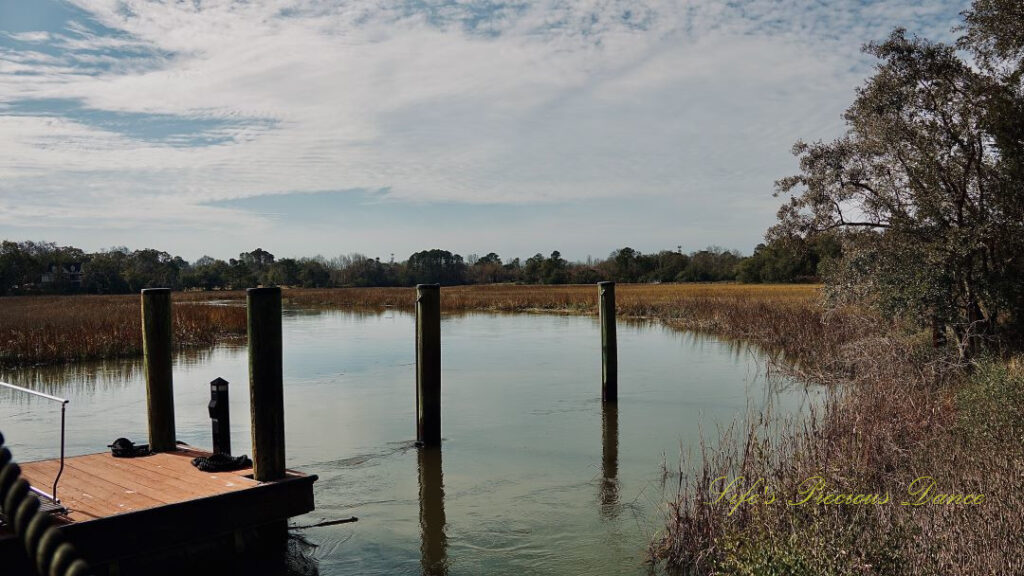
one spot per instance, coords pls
(125, 510)
(99, 485)
(88, 490)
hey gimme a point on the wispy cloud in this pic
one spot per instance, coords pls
(129, 106)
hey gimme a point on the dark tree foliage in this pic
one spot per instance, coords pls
(18, 265)
(284, 272)
(259, 259)
(554, 269)
(790, 258)
(26, 267)
(532, 269)
(437, 267)
(29, 263)
(106, 273)
(626, 264)
(150, 269)
(314, 273)
(994, 33)
(488, 270)
(711, 265)
(926, 186)
(666, 266)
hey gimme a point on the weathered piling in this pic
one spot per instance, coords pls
(266, 382)
(157, 347)
(609, 348)
(428, 364)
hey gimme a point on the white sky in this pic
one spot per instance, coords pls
(320, 127)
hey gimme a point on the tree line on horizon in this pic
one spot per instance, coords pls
(43, 267)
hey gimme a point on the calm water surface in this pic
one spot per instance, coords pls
(534, 477)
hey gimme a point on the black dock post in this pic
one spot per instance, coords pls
(221, 416)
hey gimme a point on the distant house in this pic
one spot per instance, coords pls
(72, 271)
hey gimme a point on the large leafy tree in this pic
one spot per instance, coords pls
(925, 184)
(437, 266)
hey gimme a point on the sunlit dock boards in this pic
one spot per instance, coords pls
(128, 508)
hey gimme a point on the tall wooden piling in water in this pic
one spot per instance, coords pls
(609, 348)
(428, 364)
(157, 334)
(266, 382)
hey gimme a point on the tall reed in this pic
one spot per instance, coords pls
(52, 329)
(902, 411)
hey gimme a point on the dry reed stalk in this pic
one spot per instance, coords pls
(895, 419)
(50, 329)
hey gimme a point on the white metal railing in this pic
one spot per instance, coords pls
(63, 409)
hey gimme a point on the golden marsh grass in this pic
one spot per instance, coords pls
(51, 329)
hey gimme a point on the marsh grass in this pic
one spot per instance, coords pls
(786, 319)
(903, 411)
(37, 330)
(53, 329)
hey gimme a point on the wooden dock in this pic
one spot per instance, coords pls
(158, 514)
(124, 510)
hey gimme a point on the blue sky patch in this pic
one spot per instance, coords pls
(165, 129)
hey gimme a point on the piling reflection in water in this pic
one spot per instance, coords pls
(609, 460)
(434, 544)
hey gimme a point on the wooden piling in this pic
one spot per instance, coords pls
(157, 347)
(428, 364)
(609, 348)
(266, 383)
